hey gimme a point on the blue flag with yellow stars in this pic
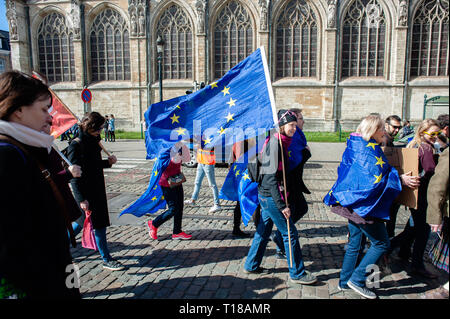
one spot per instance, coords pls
(238, 106)
(152, 200)
(295, 149)
(366, 182)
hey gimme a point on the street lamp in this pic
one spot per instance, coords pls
(160, 49)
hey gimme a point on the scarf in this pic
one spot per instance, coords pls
(26, 135)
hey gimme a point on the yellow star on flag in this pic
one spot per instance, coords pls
(378, 178)
(180, 131)
(237, 173)
(245, 177)
(372, 145)
(231, 102)
(156, 173)
(174, 118)
(207, 141)
(162, 197)
(154, 198)
(225, 91)
(380, 161)
(178, 107)
(213, 85)
(229, 117)
(222, 130)
(289, 153)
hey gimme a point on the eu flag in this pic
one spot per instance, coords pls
(239, 105)
(152, 200)
(366, 182)
(295, 150)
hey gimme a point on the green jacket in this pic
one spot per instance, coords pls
(437, 195)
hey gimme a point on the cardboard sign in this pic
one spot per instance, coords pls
(404, 160)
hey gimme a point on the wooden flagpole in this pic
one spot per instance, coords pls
(103, 148)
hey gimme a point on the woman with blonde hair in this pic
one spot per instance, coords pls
(363, 193)
(417, 230)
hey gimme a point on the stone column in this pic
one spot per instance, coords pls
(18, 29)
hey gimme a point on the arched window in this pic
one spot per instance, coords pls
(363, 39)
(233, 37)
(110, 47)
(55, 45)
(296, 41)
(429, 52)
(175, 28)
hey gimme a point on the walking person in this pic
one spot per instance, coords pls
(173, 195)
(33, 214)
(106, 128)
(112, 128)
(89, 189)
(363, 193)
(417, 230)
(206, 160)
(273, 206)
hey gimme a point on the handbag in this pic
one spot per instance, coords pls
(176, 180)
(88, 237)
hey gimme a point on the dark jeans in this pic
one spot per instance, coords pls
(174, 198)
(390, 224)
(414, 235)
(298, 210)
(112, 136)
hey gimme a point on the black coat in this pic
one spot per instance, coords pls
(91, 185)
(34, 244)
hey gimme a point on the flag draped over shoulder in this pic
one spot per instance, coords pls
(241, 101)
(295, 149)
(152, 200)
(366, 182)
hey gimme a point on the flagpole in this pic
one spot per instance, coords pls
(103, 148)
(62, 155)
(275, 120)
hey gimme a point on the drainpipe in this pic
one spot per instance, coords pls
(27, 17)
(207, 43)
(269, 17)
(148, 39)
(405, 116)
(83, 52)
(336, 109)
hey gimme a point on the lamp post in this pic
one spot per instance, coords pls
(159, 50)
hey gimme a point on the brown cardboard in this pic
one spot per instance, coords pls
(404, 160)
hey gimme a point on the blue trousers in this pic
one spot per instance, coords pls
(100, 239)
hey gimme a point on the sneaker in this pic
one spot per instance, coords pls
(306, 279)
(190, 202)
(343, 288)
(215, 208)
(182, 236)
(363, 291)
(240, 234)
(113, 265)
(258, 271)
(152, 230)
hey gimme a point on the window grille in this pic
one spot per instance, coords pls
(110, 47)
(55, 46)
(175, 28)
(233, 37)
(430, 40)
(363, 39)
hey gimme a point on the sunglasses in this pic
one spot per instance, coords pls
(395, 127)
(432, 134)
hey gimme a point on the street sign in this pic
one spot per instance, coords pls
(86, 96)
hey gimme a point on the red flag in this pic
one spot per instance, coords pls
(63, 118)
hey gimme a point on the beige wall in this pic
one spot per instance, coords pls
(318, 97)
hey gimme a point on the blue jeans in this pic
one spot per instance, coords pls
(378, 236)
(270, 214)
(208, 170)
(174, 198)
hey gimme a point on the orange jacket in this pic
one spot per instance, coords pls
(206, 157)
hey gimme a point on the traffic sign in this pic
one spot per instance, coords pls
(86, 96)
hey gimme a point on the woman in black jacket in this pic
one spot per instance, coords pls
(35, 260)
(89, 189)
(271, 194)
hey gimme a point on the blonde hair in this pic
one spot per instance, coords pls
(369, 125)
(418, 137)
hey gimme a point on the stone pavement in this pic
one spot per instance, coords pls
(211, 264)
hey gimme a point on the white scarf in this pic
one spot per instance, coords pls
(26, 135)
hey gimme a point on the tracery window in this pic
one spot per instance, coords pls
(55, 45)
(110, 47)
(430, 39)
(233, 37)
(175, 28)
(296, 41)
(363, 39)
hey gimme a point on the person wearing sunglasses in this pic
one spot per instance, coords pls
(392, 125)
(416, 232)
